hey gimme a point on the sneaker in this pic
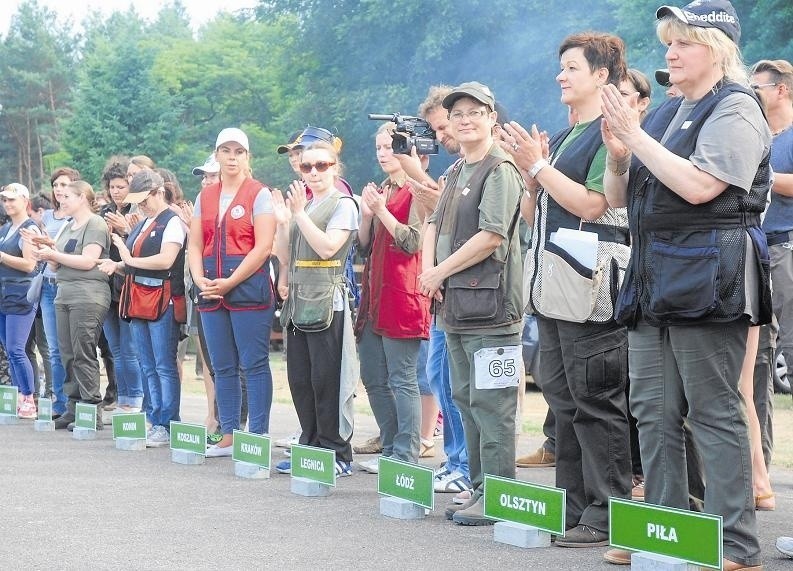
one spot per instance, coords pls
(284, 467)
(438, 433)
(214, 438)
(343, 469)
(27, 408)
(158, 437)
(474, 514)
(64, 421)
(288, 452)
(371, 446)
(785, 546)
(540, 458)
(108, 406)
(427, 449)
(455, 507)
(215, 451)
(372, 465)
(125, 409)
(583, 536)
(462, 498)
(288, 441)
(441, 471)
(452, 483)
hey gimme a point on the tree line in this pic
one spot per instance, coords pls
(120, 84)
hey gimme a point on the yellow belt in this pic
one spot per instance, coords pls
(317, 263)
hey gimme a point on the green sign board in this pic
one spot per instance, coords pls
(407, 481)
(85, 416)
(189, 437)
(315, 464)
(251, 448)
(45, 409)
(129, 425)
(537, 506)
(693, 537)
(8, 400)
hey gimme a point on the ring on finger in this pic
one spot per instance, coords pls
(515, 146)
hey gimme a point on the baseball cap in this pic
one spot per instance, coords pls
(232, 135)
(718, 14)
(662, 77)
(211, 166)
(16, 190)
(473, 89)
(290, 144)
(142, 184)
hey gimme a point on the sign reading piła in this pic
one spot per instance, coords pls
(251, 448)
(537, 506)
(407, 481)
(189, 437)
(693, 537)
(315, 464)
(85, 416)
(8, 400)
(129, 425)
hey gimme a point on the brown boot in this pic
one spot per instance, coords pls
(540, 458)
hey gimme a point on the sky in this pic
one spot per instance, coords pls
(200, 10)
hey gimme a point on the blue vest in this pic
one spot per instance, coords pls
(152, 245)
(14, 284)
(688, 260)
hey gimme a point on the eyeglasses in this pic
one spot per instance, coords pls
(321, 166)
(757, 86)
(458, 116)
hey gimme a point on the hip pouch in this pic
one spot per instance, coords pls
(312, 306)
(474, 294)
(144, 298)
(569, 289)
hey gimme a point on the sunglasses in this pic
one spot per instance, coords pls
(321, 166)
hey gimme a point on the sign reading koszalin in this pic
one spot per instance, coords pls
(189, 437)
(315, 464)
(407, 481)
(251, 448)
(693, 537)
(542, 507)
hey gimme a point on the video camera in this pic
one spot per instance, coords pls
(410, 132)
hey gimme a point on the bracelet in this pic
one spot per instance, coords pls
(619, 167)
(537, 167)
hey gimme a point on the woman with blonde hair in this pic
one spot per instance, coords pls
(83, 295)
(695, 177)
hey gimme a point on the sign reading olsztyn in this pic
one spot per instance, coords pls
(407, 481)
(8, 400)
(251, 448)
(315, 464)
(129, 425)
(693, 537)
(85, 416)
(538, 506)
(189, 437)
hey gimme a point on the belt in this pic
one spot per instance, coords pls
(317, 263)
(778, 238)
(51, 281)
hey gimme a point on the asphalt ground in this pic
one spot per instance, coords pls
(68, 504)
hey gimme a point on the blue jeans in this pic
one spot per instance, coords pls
(129, 382)
(48, 292)
(438, 375)
(14, 333)
(156, 343)
(421, 369)
(240, 340)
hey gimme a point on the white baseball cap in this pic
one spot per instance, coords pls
(211, 166)
(232, 135)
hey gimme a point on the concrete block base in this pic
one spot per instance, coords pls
(8, 419)
(651, 562)
(252, 471)
(520, 535)
(83, 433)
(401, 509)
(43, 426)
(309, 488)
(187, 458)
(130, 444)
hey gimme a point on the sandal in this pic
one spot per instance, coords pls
(761, 505)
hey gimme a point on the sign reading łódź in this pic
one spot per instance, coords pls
(542, 507)
(690, 536)
(406, 481)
